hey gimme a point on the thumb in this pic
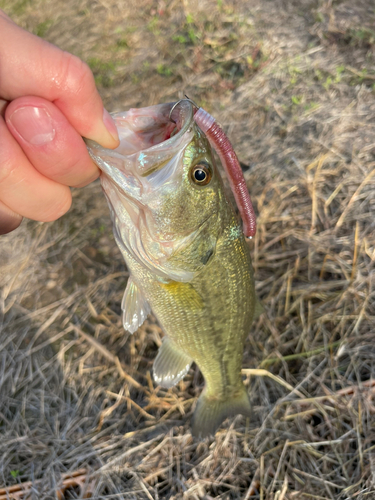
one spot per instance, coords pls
(44, 70)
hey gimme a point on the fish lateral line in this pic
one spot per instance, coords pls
(186, 253)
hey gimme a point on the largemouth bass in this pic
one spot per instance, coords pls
(184, 247)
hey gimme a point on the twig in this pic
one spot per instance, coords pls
(254, 486)
(259, 372)
(69, 480)
(366, 180)
(306, 354)
(111, 357)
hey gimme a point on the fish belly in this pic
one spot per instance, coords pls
(209, 319)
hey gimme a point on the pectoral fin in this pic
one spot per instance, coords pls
(170, 365)
(135, 307)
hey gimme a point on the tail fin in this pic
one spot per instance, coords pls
(211, 411)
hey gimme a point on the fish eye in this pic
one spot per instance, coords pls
(201, 173)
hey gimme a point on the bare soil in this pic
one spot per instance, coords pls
(293, 84)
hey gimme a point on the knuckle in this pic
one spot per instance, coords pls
(8, 166)
(73, 75)
(65, 203)
(59, 207)
(70, 171)
(11, 157)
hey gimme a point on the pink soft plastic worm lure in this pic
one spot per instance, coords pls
(220, 142)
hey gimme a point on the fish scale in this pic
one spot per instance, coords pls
(187, 256)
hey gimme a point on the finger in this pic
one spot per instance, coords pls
(50, 143)
(9, 220)
(43, 70)
(2, 14)
(23, 189)
(3, 105)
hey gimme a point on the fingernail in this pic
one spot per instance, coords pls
(33, 124)
(110, 125)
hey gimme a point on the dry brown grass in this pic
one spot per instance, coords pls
(292, 83)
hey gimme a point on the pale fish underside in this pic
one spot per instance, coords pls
(188, 259)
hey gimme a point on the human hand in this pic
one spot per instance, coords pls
(48, 100)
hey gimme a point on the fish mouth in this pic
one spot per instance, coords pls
(147, 128)
(145, 168)
(149, 137)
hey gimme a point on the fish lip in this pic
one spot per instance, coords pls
(129, 166)
(188, 122)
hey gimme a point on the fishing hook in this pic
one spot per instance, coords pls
(177, 103)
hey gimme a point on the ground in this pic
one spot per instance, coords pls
(293, 85)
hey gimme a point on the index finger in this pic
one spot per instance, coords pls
(32, 66)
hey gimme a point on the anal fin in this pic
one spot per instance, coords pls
(170, 365)
(135, 307)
